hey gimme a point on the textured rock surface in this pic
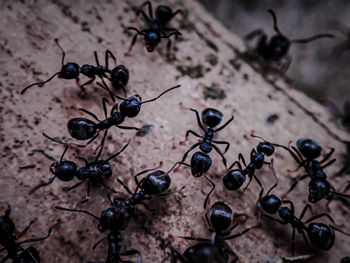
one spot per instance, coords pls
(208, 61)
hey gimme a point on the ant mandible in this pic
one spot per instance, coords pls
(277, 48)
(114, 219)
(157, 27)
(321, 235)
(235, 178)
(8, 240)
(319, 187)
(119, 76)
(92, 172)
(214, 249)
(201, 161)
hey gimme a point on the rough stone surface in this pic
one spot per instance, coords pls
(208, 56)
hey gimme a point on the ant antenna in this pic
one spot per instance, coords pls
(274, 174)
(116, 154)
(275, 26)
(175, 87)
(77, 210)
(315, 37)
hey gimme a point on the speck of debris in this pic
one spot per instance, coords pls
(246, 76)
(194, 72)
(302, 258)
(212, 59)
(213, 92)
(85, 27)
(236, 65)
(146, 129)
(272, 119)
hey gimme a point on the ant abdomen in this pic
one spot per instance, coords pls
(234, 179)
(81, 128)
(120, 77)
(321, 235)
(271, 203)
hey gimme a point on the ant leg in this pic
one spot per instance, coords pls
(101, 147)
(198, 118)
(293, 240)
(188, 151)
(208, 223)
(252, 154)
(89, 113)
(128, 128)
(221, 154)
(133, 41)
(318, 216)
(175, 87)
(297, 180)
(107, 55)
(234, 163)
(145, 171)
(76, 185)
(275, 219)
(36, 239)
(87, 83)
(230, 230)
(188, 133)
(98, 242)
(306, 207)
(175, 253)
(211, 190)
(77, 210)
(147, 207)
(194, 238)
(65, 150)
(39, 83)
(239, 234)
(83, 91)
(25, 230)
(256, 33)
(176, 33)
(31, 191)
(116, 154)
(179, 11)
(108, 188)
(328, 164)
(87, 198)
(241, 158)
(132, 252)
(250, 180)
(223, 126)
(86, 144)
(290, 203)
(125, 186)
(168, 45)
(86, 163)
(223, 142)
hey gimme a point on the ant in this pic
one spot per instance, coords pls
(119, 75)
(83, 129)
(234, 179)
(14, 249)
(157, 27)
(114, 219)
(214, 249)
(92, 172)
(319, 187)
(276, 50)
(321, 235)
(201, 161)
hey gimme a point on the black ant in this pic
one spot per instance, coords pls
(8, 241)
(83, 129)
(319, 187)
(114, 219)
(157, 26)
(201, 161)
(321, 235)
(92, 172)
(119, 76)
(234, 179)
(214, 249)
(276, 50)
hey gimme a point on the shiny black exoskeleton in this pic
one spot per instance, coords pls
(235, 178)
(306, 153)
(92, 172)
(321, 235)
(201, 161)
(214, 249)
(14, 249)
(156, 27)
(119, 75)
(114, 220)
(276, 50)
(83, 129)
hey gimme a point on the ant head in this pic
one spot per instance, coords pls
(29, 255)
(279, 46)
(211, 117)
(131, 106)
(270, 203)
(69, 71)
(318, 189)
(309, 148)
(120, 76)
(152, 40)
(81, 128)
(155, 183)
(220, 215)
(105, 168)
(115, 219)
(234, 179)
(163, 14)
(64, 170)
(266, 148)
(7, 227)
(200, 163)
(321, 235)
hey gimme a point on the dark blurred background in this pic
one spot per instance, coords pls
(319, 68)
